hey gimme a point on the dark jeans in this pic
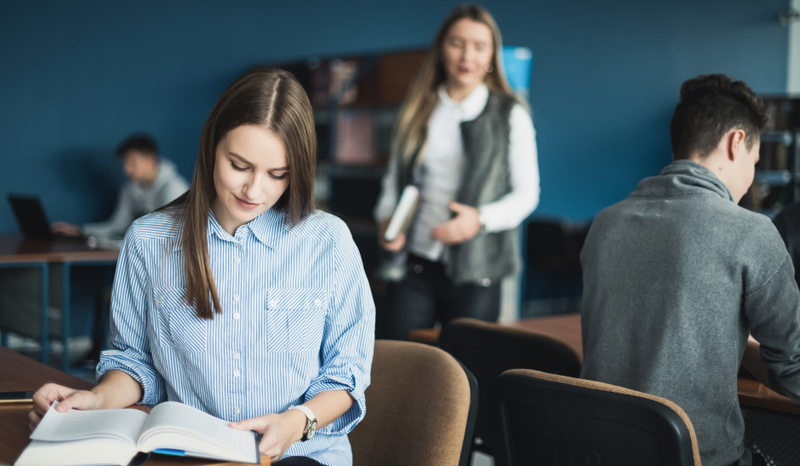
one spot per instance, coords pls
(426, 296)
(297, 461)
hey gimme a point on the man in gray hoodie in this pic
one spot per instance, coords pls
(677, 275)
(153, 182)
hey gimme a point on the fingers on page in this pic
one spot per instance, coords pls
(76, 399)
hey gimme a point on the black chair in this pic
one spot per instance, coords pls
(553, 254)
(487, 349)
(552, 420)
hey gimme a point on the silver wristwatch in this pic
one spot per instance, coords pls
(311, 422)
(482, 222)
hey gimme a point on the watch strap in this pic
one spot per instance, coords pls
(306, 410)
(311, 421)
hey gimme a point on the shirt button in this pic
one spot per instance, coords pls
(273, 303)
(236, 373)
(236, 298)
(235, 355)
(486, 282)
(318, 302)
(237, 260)
(158, 302)
(236, 411)
(236, 315)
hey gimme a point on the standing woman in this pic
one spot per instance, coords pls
(239, 299)
(469, 145)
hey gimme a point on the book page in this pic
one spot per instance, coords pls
(204, 429)
(122, 424)
(75, 452)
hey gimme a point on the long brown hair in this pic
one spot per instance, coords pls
(265, 97)
(411, 129)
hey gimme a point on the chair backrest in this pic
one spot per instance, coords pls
(546, 419)
(489, 349)
(553, 245)
(421, 408)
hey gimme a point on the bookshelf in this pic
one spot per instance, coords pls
(356, 100)
(777, 177)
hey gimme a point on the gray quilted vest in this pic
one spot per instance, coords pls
(486, 178)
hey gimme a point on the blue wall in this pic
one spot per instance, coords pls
(77, 77)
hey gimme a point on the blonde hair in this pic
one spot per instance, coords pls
(411, 129)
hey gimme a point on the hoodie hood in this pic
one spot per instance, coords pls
(683, 177)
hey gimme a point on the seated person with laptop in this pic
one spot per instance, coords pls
(153, 183)
(677, 275)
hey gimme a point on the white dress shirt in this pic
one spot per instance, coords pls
(440, 172)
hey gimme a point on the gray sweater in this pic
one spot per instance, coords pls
(136, 200)
(675, 277)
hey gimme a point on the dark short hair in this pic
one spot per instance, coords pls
(143, 143)
(710, 106)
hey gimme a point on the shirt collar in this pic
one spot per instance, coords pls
(266, 227)
(472, 105)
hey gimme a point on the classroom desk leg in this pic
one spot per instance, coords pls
(45, 305)
(45, 292)
(65, 311)
(102, 324)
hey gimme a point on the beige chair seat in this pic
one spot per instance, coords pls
(421, 407)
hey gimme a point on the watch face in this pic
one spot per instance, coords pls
(311, 429)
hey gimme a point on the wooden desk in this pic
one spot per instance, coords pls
(17, 252)
(20, 373)
(16, 249)
(567, 328)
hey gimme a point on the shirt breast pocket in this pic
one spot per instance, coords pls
(296, 319)
(179, 325)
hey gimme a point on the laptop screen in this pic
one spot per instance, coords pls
(30, 216)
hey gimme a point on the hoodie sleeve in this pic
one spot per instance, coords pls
(120, 220)
(172, 186)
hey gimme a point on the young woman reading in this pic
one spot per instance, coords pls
(240, 299)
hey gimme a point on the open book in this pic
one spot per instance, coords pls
(403, 213)
(115, 436)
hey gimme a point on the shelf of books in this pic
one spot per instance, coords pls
(356, 100)
(777, 178)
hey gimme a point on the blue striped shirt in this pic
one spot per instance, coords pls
(297, 319)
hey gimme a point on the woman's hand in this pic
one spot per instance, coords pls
(394, 246)
(279, 431)
(463, 227)
(67, 398)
